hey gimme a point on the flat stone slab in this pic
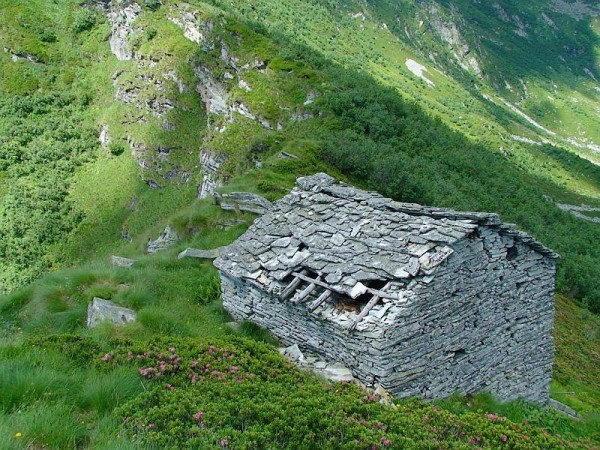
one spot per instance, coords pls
(100, 310)
(331, 371)
(243, 201)
(563, 408)
(337, 372)
(119, 261)
(201, 254)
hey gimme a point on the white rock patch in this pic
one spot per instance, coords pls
(418, 70)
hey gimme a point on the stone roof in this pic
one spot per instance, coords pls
(348, 235)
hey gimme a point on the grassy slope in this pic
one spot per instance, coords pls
(177, 301)
(74, 405)
(331, 28)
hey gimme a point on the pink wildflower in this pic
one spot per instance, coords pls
(385, 441)
(224, 443)
(170, 387)
(152, 426)
(107, 357)
(504, 438)
(492, 416)
(199, 415)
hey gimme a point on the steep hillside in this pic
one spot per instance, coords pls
(120, 117)
(182, 98)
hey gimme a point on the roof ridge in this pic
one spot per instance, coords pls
(322, 182)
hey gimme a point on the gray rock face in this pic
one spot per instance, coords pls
(119, 261)
(243, 201)
(103, 136)
(194, 28)
(211, 163)
(101, 310)
(213, 93)
(423, 301)
(121, 20)
(165, 240)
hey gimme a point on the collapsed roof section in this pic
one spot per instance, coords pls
(351, 241)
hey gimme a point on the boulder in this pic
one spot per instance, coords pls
(243, 201)
(337, 372)
(165, 240)
(119, 261)
(101, 310)
(293, 353)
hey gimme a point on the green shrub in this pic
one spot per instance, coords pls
(242, 394)
(84, 19)
(150, 34)
(116, 148)
(152, 4)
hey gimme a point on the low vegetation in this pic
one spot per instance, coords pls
(180, 377)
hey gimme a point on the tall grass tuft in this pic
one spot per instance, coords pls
(103, 392)
(43, 425)
(31, 375)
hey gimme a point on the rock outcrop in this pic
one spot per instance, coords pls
(121, 19)
(210, 163)
(164, 241)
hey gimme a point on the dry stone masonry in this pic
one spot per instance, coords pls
(422, 301)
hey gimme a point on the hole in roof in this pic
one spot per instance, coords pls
(345, 303)
(458, 353)
(376, 284)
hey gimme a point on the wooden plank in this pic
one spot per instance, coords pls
(304, 295)
(367, 308)
(324, 296)
(289, 290)
(377, 292)
(317, 282)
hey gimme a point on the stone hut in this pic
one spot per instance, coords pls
(424, 301)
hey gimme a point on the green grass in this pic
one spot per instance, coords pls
(56, 390)
(178, 306)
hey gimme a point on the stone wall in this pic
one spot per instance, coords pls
(482, 321)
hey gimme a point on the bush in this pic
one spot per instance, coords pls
(116, 148)
(84, 19)
(152, 4)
